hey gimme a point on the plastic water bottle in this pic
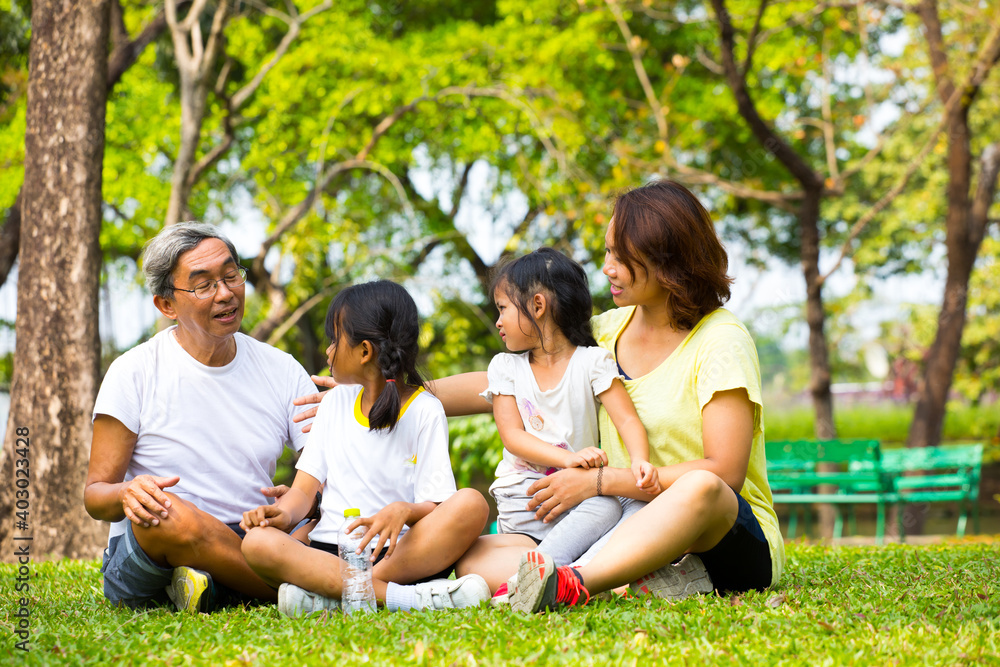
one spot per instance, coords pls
(355, 569)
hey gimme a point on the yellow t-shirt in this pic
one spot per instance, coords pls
(717, 355)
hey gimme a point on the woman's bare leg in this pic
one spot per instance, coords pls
(693, 515)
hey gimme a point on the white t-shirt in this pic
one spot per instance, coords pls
(221, 429)
(370, 469)
(564, 416)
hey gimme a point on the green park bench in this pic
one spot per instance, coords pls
(839, 472)
(948, 473)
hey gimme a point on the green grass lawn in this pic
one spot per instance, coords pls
(899, 604)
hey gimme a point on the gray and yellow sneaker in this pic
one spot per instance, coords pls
(191, 590)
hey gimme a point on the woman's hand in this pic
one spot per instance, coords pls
(312, 399)
(387, 523)
(560, 492)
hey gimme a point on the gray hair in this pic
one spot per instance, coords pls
(160, 254)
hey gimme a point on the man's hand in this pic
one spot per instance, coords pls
(143, 500)
(312, 399)
(274, 491)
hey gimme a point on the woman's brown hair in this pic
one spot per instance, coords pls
(664, 224)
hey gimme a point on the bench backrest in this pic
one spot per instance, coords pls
(796, 461)
(966, 458)
(949, 472)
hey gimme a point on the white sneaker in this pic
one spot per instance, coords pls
(675, 581)
(467, 591)
(296, 602)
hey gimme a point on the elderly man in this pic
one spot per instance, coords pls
(201, 410)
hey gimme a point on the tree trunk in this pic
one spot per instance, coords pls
(819, 356)
(57, 356)
(965, 227)
(124, 55)
(808, 217)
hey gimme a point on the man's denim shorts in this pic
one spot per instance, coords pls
(131, 578)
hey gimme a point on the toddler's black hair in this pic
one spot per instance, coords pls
(564, 282)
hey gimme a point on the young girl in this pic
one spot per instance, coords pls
(379, 443)
(545, 398)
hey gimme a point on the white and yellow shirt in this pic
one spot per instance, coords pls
(370, 469)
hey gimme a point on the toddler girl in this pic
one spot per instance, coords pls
(545, 394)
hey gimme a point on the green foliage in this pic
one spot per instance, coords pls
(476, 449)
(15, 32)
(6, 371)
(12, 128)
(903, 605)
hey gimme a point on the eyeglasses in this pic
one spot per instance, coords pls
(207, 289)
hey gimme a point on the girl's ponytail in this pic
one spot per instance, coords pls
(383, 313)
(392, 361)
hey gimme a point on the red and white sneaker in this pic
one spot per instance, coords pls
(502, 596)
(541, 585)
(675, 581)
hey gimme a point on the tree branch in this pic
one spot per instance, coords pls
(633, 43)
(294, 26)
(827, 127)
(985, 192)
(927, 9)
(119, 33)
(214, 43)
(10, 238)
(768, 138)
(752, 39)
(456, 197)
(125, 55)
(191, 18)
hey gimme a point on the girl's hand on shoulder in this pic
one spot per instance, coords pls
(265, 515)
(646, 477)
(387, 523)
(589, 457)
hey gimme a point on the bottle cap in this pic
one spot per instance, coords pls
(354, 511)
